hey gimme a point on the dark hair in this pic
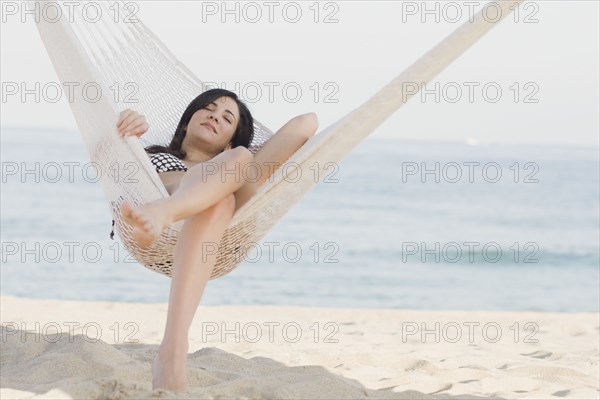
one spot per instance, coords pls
(243, 134)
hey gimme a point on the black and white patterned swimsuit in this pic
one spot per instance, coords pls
(165, 162)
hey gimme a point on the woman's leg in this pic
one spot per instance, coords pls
(278, 149)
(193, 266)
(201, 186)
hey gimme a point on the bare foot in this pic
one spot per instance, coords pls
(148, 222)
(169, 370)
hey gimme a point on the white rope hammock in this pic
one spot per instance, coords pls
(109, 54)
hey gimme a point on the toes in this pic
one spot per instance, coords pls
(148, 228)
(129, 217)
(126, 211)
(143, 222)
(139, 218)
(144, 227)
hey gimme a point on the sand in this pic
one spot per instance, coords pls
(102, 350)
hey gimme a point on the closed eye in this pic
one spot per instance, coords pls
(211, 107)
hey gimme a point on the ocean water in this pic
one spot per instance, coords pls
(399, 224)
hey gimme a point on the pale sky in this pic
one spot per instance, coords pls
(554, 60)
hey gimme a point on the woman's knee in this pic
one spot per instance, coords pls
(241, 154)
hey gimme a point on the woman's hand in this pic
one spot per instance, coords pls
(132, 123)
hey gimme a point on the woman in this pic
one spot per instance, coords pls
(216, 127)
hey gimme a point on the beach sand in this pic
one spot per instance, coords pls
(280, 352)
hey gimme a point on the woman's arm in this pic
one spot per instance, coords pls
(284, 143)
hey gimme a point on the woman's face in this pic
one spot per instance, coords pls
(212, 128)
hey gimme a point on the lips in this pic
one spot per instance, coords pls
(210, 126)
